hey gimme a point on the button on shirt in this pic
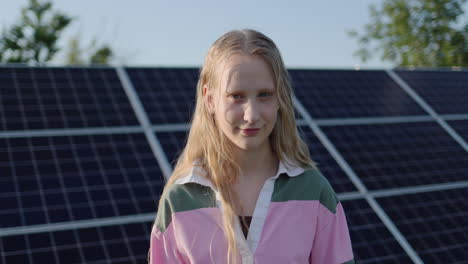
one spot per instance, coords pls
(297, 219)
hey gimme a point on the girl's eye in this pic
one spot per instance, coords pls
(236, 96)
(266, 94)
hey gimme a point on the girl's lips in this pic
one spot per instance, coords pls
(251, 131)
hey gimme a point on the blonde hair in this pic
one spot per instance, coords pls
(206, 145)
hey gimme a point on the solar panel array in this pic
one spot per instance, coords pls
(84, 153)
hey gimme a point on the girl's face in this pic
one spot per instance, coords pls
(245, 105)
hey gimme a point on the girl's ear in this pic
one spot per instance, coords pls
(208, 99)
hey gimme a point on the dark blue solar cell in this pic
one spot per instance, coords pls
(10, 203)
(167, 94)
(346, 93)
(65, 237)
(68, 255)
(172, 143)
(17, 259)
(461, 127)
(39, 240)
(42, 257)
(140, 248)
(327, 165)
(58, 215)
(111, 232)
(445, 91)
(400, 154)
(434, 223)
(86, 177)
(34, 216)
(13, 243)
(47, 98)
(110, 244)
(11, 218)
(88, 235)
(138, 242)
(371, 240)
(117, 250)
(93, 252)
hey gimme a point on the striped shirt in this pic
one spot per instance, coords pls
(297, 219)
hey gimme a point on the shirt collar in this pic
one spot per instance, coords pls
(195, 175)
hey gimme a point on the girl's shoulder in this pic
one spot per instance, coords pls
(188, 195)
(311, 185)
(180, 198)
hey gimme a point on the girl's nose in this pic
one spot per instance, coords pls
(251, 112)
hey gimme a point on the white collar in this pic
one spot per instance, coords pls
(195, 174)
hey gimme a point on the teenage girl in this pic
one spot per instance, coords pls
(244, 189)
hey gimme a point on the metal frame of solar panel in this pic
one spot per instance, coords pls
(84, 150)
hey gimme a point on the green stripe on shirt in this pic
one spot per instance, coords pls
(311, 185)
(183, 197)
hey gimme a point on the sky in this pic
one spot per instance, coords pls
(309, 33)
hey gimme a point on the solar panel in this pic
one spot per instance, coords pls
(50, 98)
(326, 164)
(346, 94)
(461, 127)
(168, 95)
(69, 178)
(172, 143)
(445, 91)
(434, 223)
(117, 244)
(53, 178)
(372, 242)
(400, 154)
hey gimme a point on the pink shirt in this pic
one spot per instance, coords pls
(297, 219)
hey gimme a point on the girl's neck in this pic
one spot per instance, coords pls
(257, 162)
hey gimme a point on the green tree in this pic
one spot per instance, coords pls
(416, 33)
(34, 39)
(74, 52)
(102, 55)
(97, 54)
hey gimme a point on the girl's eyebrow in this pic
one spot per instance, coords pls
(267, 89)
(240, 90)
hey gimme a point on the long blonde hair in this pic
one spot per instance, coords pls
(210, 149)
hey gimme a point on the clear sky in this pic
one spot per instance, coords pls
(309, 33)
